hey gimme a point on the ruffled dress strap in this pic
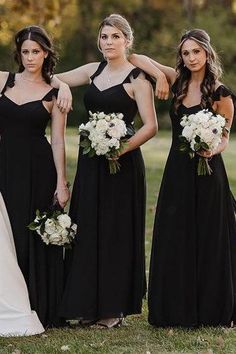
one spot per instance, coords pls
(223, 91)
(50, 94)
(99, 70)
(134, 73)
(10, 82)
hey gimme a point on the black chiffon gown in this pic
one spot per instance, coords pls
(193, 262)
(106, 268)
(28, 182)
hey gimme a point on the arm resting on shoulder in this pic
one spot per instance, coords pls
(164, 75)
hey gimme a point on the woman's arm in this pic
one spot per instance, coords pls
(58, 149)
(160, 72)
(225, 108)
(77, 77)
(143, 95)
(3, 79)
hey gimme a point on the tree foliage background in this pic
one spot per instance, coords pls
(157, 24)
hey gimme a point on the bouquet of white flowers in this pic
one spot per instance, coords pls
(102, 134)
(54, 227)
(201, 131)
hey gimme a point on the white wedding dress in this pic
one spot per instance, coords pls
(16, 317)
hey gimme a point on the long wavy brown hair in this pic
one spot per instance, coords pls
(212, 73)
(39, 35)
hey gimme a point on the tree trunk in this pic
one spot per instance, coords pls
(188, 9)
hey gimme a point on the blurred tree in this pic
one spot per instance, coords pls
(49, 13)
(158, 25)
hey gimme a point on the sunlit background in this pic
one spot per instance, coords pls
(157, 24)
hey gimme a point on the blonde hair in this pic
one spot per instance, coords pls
(118, 21)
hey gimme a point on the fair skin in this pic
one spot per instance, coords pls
(30, 86)
(194, 58)
(113, 45)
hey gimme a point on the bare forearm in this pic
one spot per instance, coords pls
(222, 146)
(153, 68)
(141, 136)
(145, 63)
(58, 149)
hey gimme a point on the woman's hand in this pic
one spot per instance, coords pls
(62, 195)
(206, 153)
(64, 98)
(162, 87)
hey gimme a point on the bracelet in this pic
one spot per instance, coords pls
(227, 130)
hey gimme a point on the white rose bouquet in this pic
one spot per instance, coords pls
(54, 227)
(102, 134)
(201, 131)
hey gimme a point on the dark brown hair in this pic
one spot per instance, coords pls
(212, 73)
(39, 35)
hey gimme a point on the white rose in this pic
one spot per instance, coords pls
(184, 121)
(101, 115)
(55, 239)
(120, 115)
(82, 127)
(50, 226)
(187, 132)
(64, 234)
(117, 128)
(113, 142)
(206, 135)
(108, 118)
(221, 120)
(102, 146)
(64, 220)
(102, 126)
(95, 137)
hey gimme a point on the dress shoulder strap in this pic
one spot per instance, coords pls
(10, 82)
(99, 69)
(223, 91)
(50, 94)
(134, 73)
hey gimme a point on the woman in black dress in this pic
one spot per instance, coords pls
(193, 261)
(32, 170)
(106, 276)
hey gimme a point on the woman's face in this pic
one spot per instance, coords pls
(32, 56)
(193, 55)
(112, 42)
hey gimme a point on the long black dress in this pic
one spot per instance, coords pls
(28, 182)
(106, 276)
(193, 260)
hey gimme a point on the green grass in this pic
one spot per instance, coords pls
(137, 336)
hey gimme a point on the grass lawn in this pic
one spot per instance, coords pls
(137, 336)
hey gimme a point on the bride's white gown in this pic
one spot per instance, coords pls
(16, 317)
